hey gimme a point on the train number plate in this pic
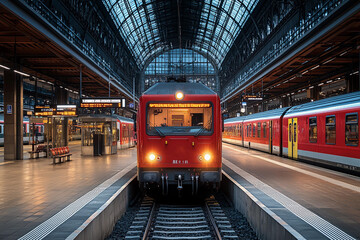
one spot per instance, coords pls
(180, 162)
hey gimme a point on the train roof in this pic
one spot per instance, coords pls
(275, 113)
(327, 104)
(103, 117)
(124, 119)
(164, 88)
(235, 119)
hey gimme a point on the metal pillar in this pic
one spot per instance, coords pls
(13, 116)
(80, 91)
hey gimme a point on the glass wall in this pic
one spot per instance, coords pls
(181, 62)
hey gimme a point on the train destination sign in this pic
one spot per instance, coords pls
(179, 105)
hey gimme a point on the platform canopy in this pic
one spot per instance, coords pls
(151, 27)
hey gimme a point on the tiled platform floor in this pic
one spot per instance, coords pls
(333, 196)
(31, 191)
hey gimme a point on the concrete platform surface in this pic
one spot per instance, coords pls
(34, 191)
(316, 203)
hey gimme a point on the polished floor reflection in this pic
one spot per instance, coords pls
(31, 191)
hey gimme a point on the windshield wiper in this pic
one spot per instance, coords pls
(201, 130)
(159, 132)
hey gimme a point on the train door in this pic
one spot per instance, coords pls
(242, 133)
(270, 137)
(292, 138)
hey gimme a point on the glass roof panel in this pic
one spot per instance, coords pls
(144, 31)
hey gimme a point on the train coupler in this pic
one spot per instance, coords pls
(179, 187)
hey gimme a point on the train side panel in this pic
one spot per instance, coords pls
(316, 144)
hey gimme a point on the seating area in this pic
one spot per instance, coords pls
(61, 153)
(36, 153)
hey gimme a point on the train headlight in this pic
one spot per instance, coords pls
(206, 157)
(179, 95)
(152, 157)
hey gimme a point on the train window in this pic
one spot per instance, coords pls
(254, 130)
(1, 129)
(295, 132)
(313, 130)
(259, 130)
(264, 129)
(189, 119)
(351, 129)
(240, 130)
(330, 130)
(290, 135)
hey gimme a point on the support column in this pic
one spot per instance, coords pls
(13, 116)
(62, 96)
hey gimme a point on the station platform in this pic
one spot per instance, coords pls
(40, 200)
(311, 202)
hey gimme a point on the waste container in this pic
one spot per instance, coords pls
(98, 144)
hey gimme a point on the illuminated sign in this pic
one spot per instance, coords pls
(100, 105)
(61, 110)
(44, 111)
(103, 103)
(179, 105)
(252, 98)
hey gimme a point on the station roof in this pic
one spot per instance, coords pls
(164, 88)
(151, 27)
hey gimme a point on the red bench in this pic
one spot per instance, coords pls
(61, 153)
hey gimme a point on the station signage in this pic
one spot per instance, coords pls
(44, 111)
(103, 103)
(252, 98)
(65, 110)
(60, 110)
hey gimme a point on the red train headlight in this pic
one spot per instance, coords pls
(207, 157)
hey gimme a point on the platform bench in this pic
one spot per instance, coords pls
(61, 153)
(39, 149)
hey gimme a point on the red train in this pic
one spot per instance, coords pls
(179, 136)
(324, 131)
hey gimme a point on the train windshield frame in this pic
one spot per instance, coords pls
(179, 118)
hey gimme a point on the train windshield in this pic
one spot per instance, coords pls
(193, 119)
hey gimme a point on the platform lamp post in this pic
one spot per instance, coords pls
(80, 90)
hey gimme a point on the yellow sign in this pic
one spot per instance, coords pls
(44, 113)
(66, 113)
(98, 105)
(179, 105)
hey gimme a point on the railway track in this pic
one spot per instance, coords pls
(175, 222)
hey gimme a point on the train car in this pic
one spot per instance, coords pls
(179, 136)
(233, 131)
(126, 133)
(325, 131)
(261, 131)
(27, 128)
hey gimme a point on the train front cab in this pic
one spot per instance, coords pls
(179, 145)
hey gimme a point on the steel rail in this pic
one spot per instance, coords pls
(147, 229)
(213, 223)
